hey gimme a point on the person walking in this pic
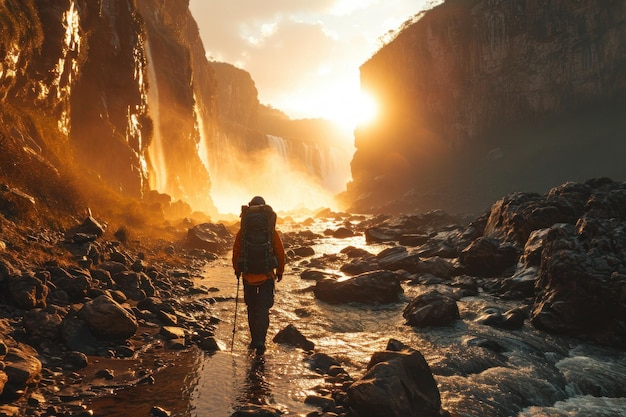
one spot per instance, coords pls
(258, 257)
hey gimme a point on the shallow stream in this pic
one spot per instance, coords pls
(537, 374)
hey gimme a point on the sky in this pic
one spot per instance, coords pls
(304, 55)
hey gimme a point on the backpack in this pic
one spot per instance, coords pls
(257, 240)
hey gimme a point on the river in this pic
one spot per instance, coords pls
(536, 374)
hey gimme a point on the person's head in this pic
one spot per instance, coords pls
(257, 201)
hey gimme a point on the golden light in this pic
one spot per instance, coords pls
(350, 109)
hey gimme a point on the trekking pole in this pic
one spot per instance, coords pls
(232, 342)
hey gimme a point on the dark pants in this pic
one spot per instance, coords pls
(259, 299)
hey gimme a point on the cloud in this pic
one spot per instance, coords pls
(293, 48)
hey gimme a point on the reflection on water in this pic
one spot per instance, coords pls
(535, 374)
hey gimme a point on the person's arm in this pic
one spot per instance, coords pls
(236, 253)
(279, 251)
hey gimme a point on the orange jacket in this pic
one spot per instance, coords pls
(258, 279)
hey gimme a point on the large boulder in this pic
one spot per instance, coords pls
(215, 238)
(107, 319)
(431, 309)
(487, 257)
(396, 384)
(581, 288)
(370, 287)
(21, 367)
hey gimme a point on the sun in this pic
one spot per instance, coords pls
(350, 109)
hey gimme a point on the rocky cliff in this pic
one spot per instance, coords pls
(88, 86)
(484, 97)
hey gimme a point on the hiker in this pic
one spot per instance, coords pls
(259, 257)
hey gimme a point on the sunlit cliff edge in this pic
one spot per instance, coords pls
(481, 98)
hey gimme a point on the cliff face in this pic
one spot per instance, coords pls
(472, 82)
(94, 82)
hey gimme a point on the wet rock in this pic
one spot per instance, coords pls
(75, 361)
(253, 410)
(370, 287)
(316, 275)
(382, 235)
(360, 266)
(487, 257)
(514, 217)
(290, 335)
(396, 384)
(172, 332)
(3, 380)
(352, 252)
(322, 401)
(21, 367)
(343, 233)
(581, 288)
(26, 291)
(431, 309)
(321, 363)
(209, 344)
(303, 251)
(511, 320)
(159, 412)
(107, 319)
(212, 237)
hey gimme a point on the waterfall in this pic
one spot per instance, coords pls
(156, 154)
(203, 145)
(330, 164)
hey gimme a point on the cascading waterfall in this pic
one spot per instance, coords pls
(290, 175)
(331, 164)
(156, 153)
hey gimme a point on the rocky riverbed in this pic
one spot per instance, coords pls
(86, 313)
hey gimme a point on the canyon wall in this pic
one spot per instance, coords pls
(74, 83)
(482, 97)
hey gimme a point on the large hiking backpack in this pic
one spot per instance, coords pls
(257, 240)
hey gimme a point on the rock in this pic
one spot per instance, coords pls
(26, 291)
(581, 288)
(303, 251)
(292, 336)
(159, 412)
(343, 233)
(370, 287)
(3, 380)
(486, 257)
(42, 325)
(75, 361)
(316, 275)
(511, 320)
(396, 384)
(253, 410)
(21, 367)
(107, 319)
(89, 227)
(321, 363)
(431, 309)
(172, 332)
(75, 283)
(212, 237)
